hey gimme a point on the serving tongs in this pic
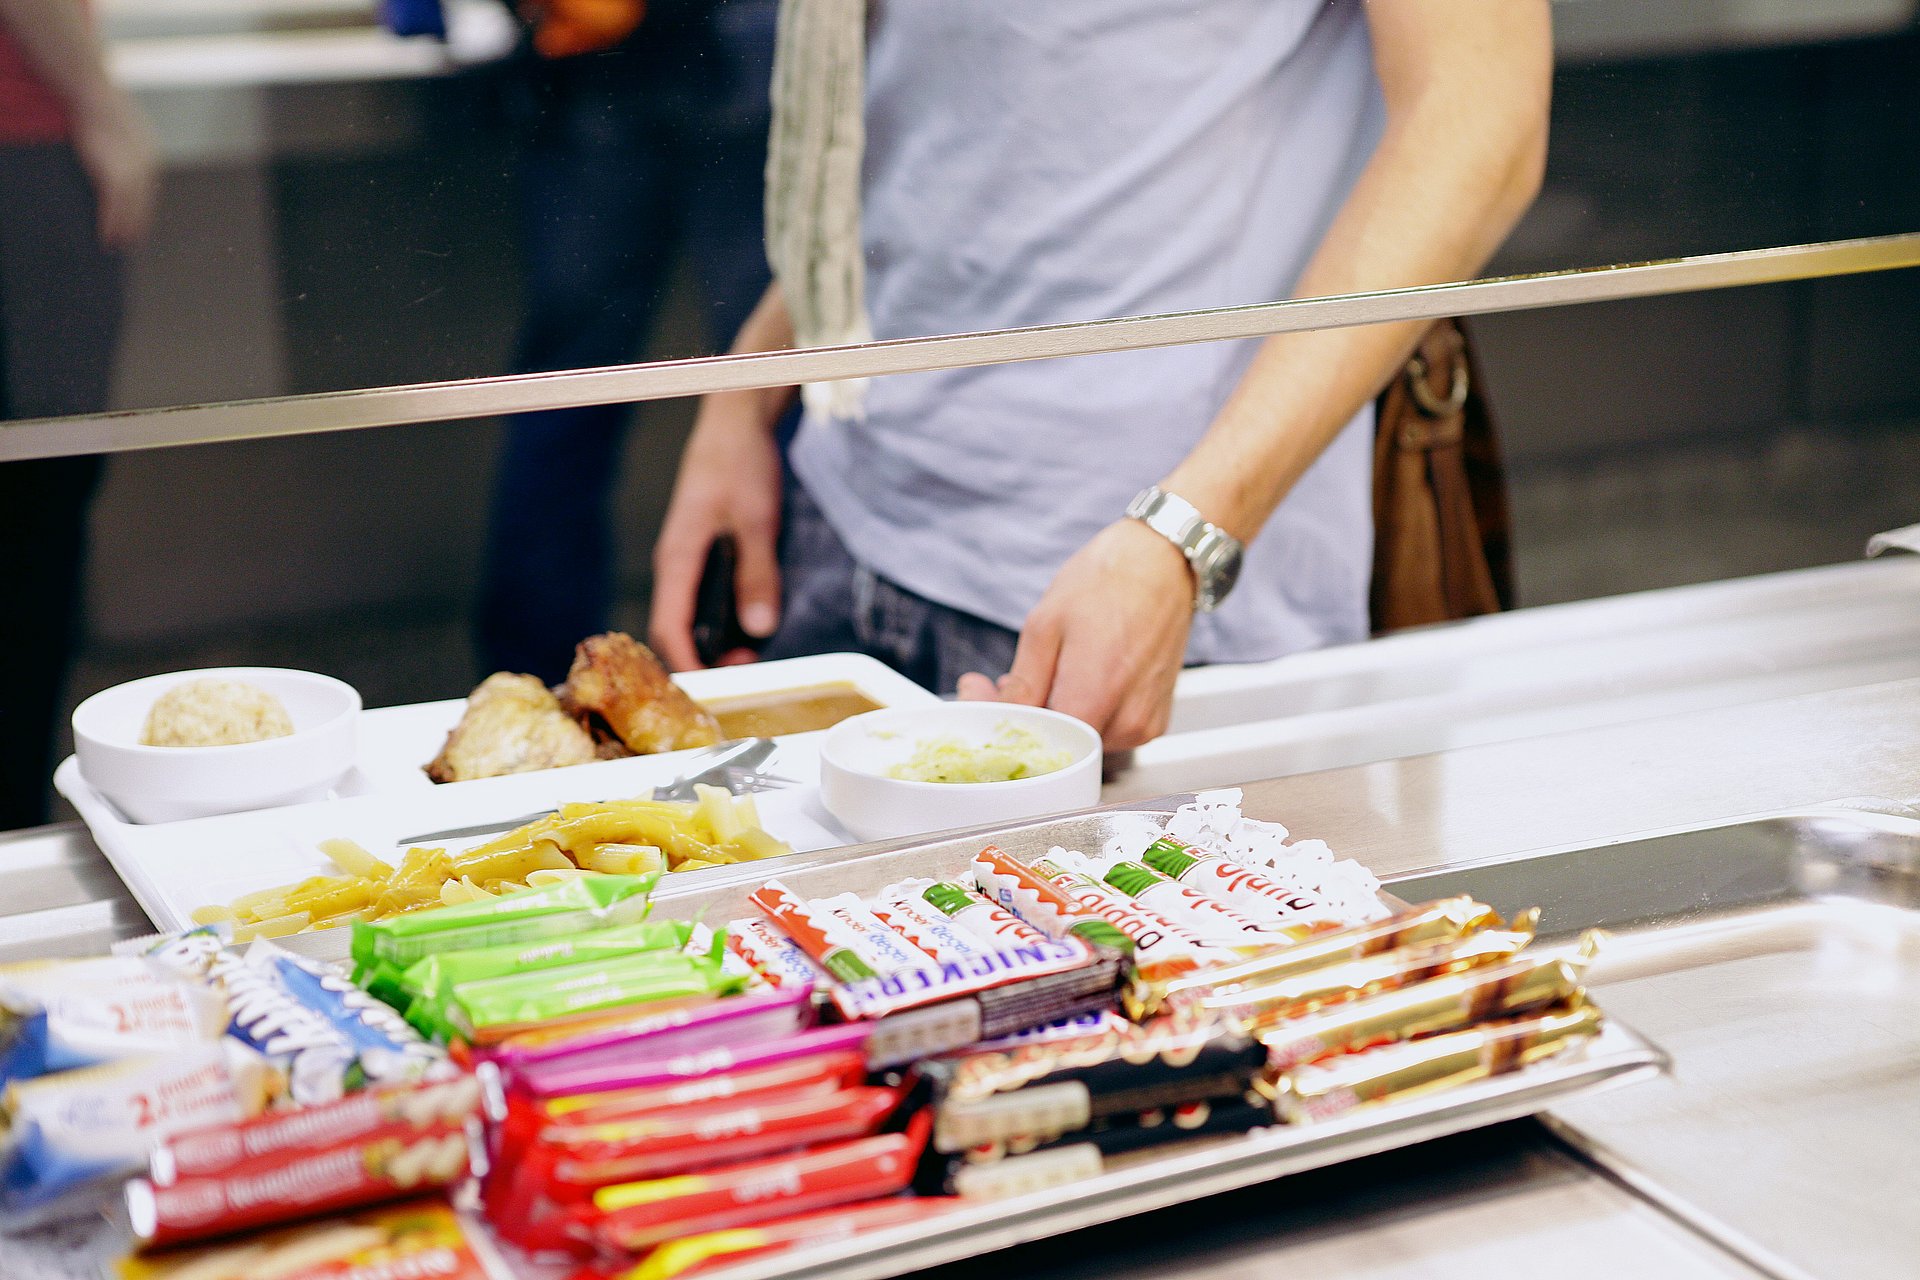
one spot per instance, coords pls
(733, 765)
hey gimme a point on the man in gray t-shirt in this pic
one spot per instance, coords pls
(1033, 163)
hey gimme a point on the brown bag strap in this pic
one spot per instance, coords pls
(1487, 476)
(1440, 513)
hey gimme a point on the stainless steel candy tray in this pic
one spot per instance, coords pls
(1146, 1181)
(1778, 960)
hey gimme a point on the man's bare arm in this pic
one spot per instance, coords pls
(1467, 84)
(728, 486)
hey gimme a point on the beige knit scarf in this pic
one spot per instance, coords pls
(813, 183)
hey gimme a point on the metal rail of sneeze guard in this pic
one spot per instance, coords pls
(520, 393)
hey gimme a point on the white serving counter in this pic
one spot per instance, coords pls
(1508, 1198)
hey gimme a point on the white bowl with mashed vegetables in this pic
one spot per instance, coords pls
(913, 770)
(192, 744)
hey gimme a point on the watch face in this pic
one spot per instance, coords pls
(1217, 573)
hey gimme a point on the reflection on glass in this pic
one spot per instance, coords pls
(339, 210)
(76, 191)
(323, 228)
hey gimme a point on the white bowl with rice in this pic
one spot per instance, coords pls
(277, 737)
(912, 770)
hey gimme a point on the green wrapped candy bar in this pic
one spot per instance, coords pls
(493, 1004)
(551, 911)
(427, 985)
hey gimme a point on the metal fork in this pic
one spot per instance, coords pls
(735, 766)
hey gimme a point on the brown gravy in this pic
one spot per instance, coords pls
(767, 715)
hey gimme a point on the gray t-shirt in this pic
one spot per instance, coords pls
(1036, 161)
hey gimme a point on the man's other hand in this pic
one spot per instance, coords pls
(729, 483)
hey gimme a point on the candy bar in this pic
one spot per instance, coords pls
(1399, 1071)
(824, 1072)
(527, 1117)
(530, 1120)
(1014, 967)
(494, 1008)
(398, 1160)
(1015, 886)
(1056, 1087)
(1028, 1174)
(1021, 971)
(56, 1015)
(717, 1132)
(980, 917)
(306, 1017)
(883, 948)
(1207, 917)
(1087, 1024)
(652, 1032)
(432, 979)
(1158, 942)
(1433, 921)
(815, 931)
(550, 1079)
(936, 934)
(636, 1216)
(70, 1130)
(702, 1252)
(419, 1240)
(773, 955)
(1114, 1135)
(566, 1167)
(1301, 993)
(385, 1047)
(558, 910)
(1427, 1008)
(1246, 891)
(251, 1144)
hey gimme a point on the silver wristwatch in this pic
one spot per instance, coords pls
(1213, 553)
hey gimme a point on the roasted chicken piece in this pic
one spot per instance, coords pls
(512, 724)
(617, 684)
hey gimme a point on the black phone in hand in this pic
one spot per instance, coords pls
(716, 612)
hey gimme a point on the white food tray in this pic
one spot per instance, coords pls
(172, 868)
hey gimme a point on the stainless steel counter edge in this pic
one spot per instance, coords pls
(520, 393)
(1501, 800)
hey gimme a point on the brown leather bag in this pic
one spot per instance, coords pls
(1441, 525)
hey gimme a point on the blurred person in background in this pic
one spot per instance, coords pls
(77, 179)
(646, 127)
(1015, 531)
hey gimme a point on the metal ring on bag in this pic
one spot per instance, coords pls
(1423, 397)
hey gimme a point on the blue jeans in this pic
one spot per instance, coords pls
(632, 156)
(833, 604)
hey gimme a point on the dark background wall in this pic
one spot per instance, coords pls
(1652, 442)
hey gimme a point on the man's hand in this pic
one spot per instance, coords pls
(729, 483)
(1107, 640)
(116, 147)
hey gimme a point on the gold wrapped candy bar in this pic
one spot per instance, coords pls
(1429, 1008)
(1298, 994)
(1399, 1071)
(1436, 921)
